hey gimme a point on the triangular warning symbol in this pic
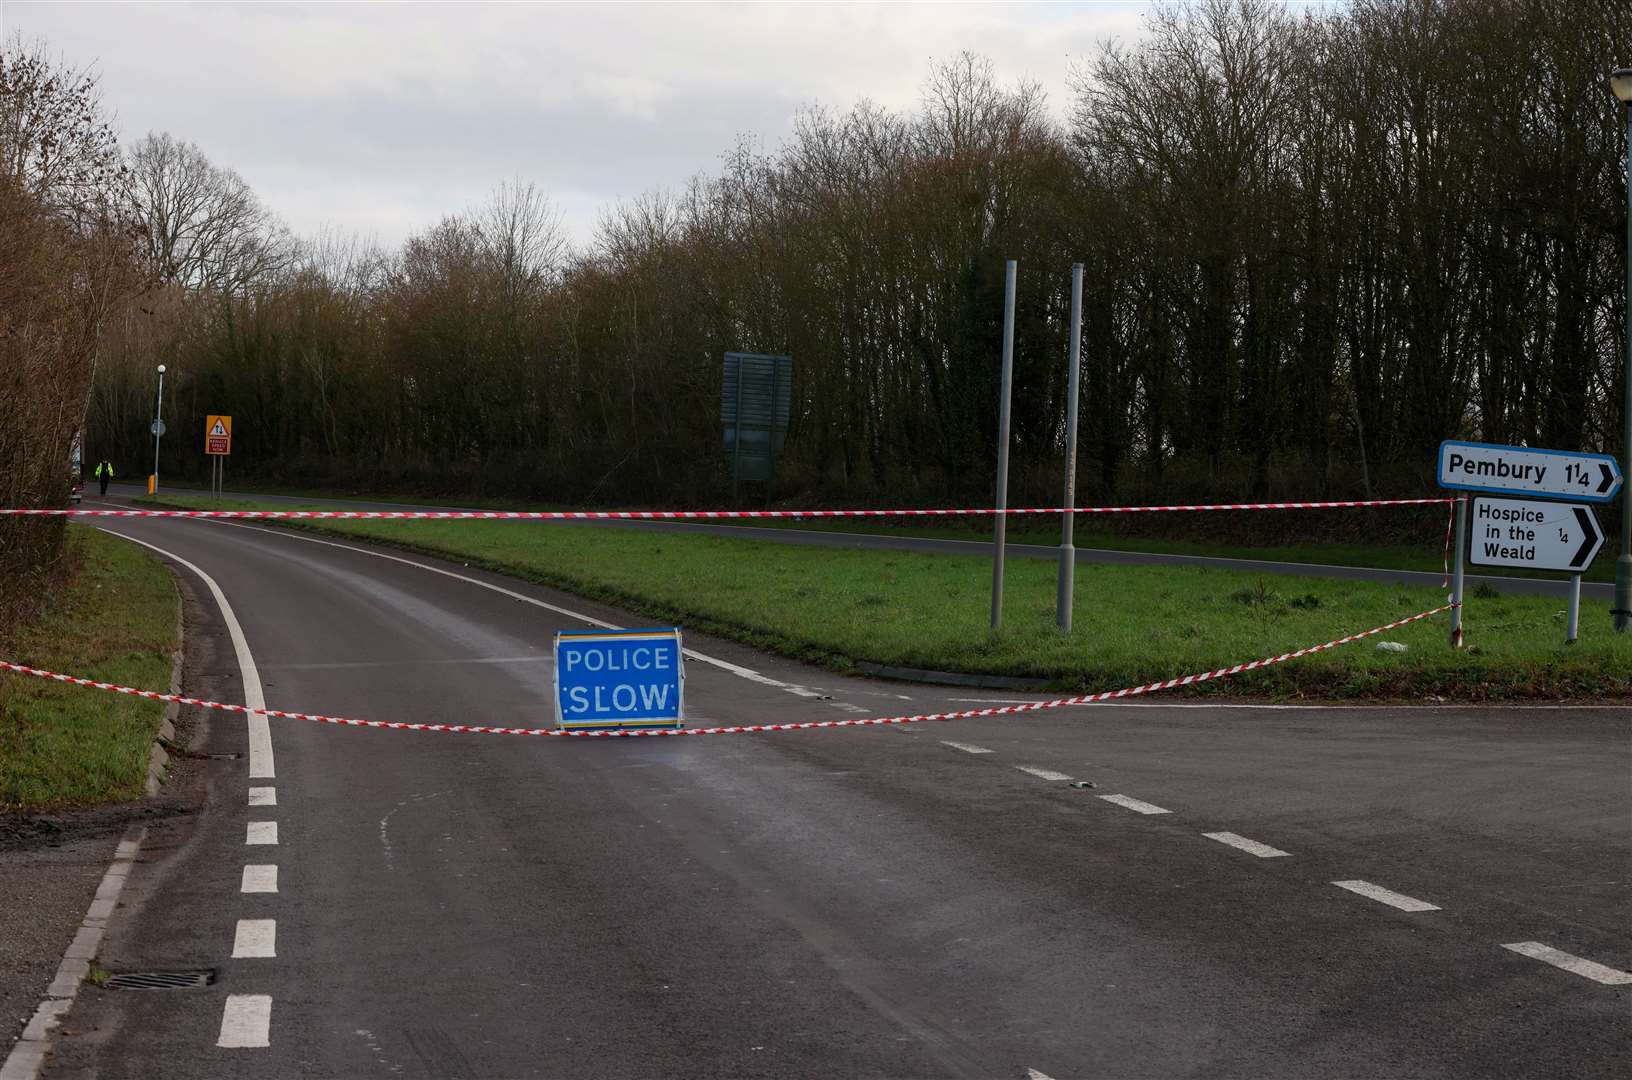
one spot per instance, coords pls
(219, 428)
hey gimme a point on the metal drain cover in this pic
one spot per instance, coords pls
(159, 980)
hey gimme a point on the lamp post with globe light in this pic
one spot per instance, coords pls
(158, 429)
(1620, 83)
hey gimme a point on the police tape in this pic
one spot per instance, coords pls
(739, 729)
(695, 515)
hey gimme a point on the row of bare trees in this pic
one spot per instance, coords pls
(1317, 242)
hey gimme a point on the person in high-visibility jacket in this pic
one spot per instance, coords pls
(104, 473)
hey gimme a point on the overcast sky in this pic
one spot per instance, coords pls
(382, 118)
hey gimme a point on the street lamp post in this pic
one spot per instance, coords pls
(158, 427)
(1620, 82)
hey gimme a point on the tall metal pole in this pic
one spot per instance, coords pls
(1623, 565)
(1068, 552)
(158, 419)
(1456, 574)
(1003, 447)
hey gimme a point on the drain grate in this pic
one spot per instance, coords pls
(159, 980)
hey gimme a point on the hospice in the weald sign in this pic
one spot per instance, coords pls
(619, 678)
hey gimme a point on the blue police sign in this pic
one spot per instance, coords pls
(619, 678)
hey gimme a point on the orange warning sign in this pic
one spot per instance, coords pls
(218, 434)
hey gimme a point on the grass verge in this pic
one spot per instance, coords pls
(1133, 624)
(63, 746)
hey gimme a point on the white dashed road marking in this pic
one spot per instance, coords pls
(1135, 805)
(260, 879)
(1042, 774)
(255, 938)
(1386, 896)
(968, 748)
(1587, 969)
(1263, 851)
(261, 832)
(246, 1020)
(263, 796)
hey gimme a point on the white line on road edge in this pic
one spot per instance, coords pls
(255, 938)
(1263, 851)
(1033, 1074)
(263, 796)
(724, 665)
(246, 1021)
(968, 748)
(28, 1053)
(1386, 896)
(1135, 805)
(261, 832)
(1042, 774)
(260, 732)
(260, 878)
(1587, 969)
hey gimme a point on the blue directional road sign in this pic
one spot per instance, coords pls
(619, 678)
(1518, 470)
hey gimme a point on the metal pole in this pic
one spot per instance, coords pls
(1456, 576)
(1068, 552)
(1575, 609)
(158, 418)
(736, 437)
(999, 529)
(1623, 565)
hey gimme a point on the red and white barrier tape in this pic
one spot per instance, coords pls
(478, 729)
(690, 515)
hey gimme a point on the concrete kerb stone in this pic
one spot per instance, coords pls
(951, 678)
(158, 760)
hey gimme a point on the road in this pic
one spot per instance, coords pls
(920, 901)
(1591, 590)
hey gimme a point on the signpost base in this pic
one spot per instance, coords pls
(1575, 609)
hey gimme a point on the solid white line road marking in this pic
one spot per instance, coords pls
(1386, 896)
(263, 796)
(261, 832)
(260, 879)
(1135, 805)
(968, 748)
(1042, 774)
(1263, 851)
(246, 1020)
(255, 938)
(1587, 969)
(260, 732)
(724, 665)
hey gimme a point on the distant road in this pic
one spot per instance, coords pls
(1538, 586)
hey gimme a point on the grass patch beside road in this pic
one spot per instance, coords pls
(63, 746)
(1134, 624)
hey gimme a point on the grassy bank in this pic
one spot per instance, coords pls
(63, 746)
(1133, 624)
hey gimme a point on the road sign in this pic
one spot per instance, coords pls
(1555, 474)
(1534, 534)
(756, 395)
(217, 434)
(156, 427)
(619, 678)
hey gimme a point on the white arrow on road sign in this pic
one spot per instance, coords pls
(1535, 535)
(1561, 474)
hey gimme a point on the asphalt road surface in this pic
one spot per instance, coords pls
(1556, 586)
(920, 901)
